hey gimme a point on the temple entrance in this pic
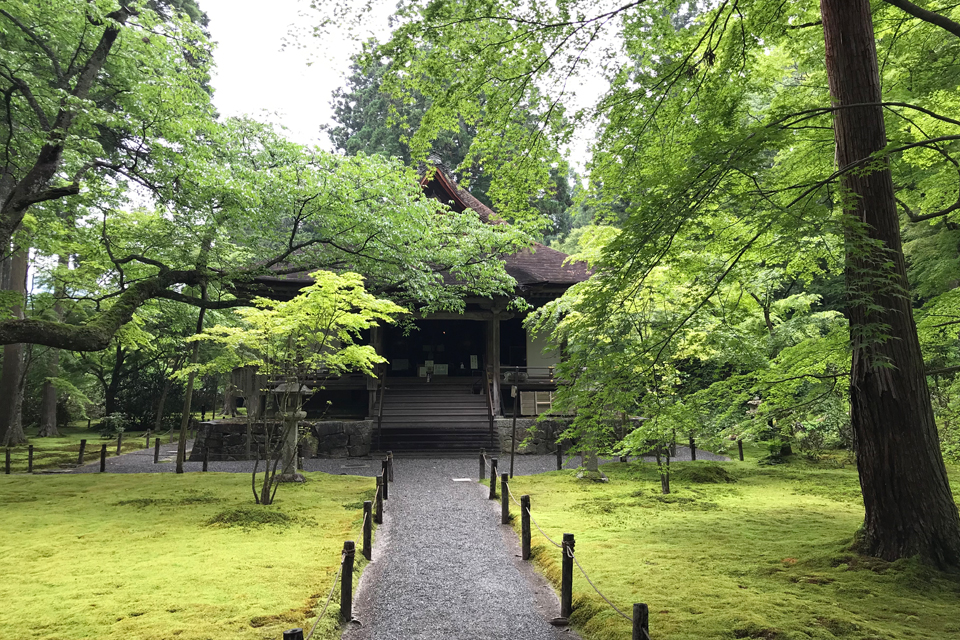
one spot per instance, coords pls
(440, 348)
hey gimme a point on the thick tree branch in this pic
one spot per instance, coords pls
(926, 15)
(96, 334)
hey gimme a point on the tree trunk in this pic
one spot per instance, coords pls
(48, 409)
(158, 424)
(11, 390)
(909, 507)
(113, 388)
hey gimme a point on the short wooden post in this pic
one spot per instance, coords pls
(525, 527)
(206, 457)
(504, 498)
(493, 479)
(103, 458)
(83, 447)
(6, 466)
(378, 514)
(390, 466)
(293, 634)
(30, 458)
(367, 529)
(693, 449)
(119, 442)
(641, 622)
(483, 464)
(156, 450)
(346, 582)
(566, 576)
(385, 474)
(740, 449)
(147, 436)
(559, 456)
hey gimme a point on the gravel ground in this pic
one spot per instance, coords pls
(142, 462)
(444, 567)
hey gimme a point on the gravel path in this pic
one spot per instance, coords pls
(444, 567)
(142, 462)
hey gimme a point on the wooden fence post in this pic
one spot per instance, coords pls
(504, 498)
(559, 455)
(525, 527)
(385, 474)
(367, 529)
(641, 622)
(119, 441)
(740, 449)
(293, 634)
(30, 459)
(693, 449)
(346, 582)
(378, 514)
(83, 447)
(493, 479)
(6, 466)
(147, 436)
(156, 450)
(103, 458)
(483, 464)
(566, 576)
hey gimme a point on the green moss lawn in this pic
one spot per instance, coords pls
(160, 556)
(746, 551)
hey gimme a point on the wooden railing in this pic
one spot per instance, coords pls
(490, 414)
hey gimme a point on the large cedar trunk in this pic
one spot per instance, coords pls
(48, 408)
(11, 377)
(909, 507)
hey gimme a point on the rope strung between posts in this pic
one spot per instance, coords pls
(510, 493)
(336, 579)
(577, 562)
(542, 532)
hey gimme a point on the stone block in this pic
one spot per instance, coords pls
(359, 451)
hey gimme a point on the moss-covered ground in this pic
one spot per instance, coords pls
(62, 451)
(161, 556)
(737, 550)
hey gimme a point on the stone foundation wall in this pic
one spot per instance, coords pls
(544, 440)
(343, 438)
(227, 440)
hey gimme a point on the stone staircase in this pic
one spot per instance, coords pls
(442, 417)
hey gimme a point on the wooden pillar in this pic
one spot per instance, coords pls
(493, 357)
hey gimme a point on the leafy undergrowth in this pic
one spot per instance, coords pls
(161, 556)
(62, 451)
(736, 551)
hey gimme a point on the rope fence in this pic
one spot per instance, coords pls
(641, 615)
(372, 513)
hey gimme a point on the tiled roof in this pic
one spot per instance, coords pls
(542, 265)
(538, 264)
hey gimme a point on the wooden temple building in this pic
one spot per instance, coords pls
(446, 383)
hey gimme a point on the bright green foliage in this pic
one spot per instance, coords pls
(722, 289)
(157, 556)
(737, 550)
(316, 330)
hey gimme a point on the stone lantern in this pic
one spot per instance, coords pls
(290, 396)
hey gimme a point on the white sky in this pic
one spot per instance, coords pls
(256, 76)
